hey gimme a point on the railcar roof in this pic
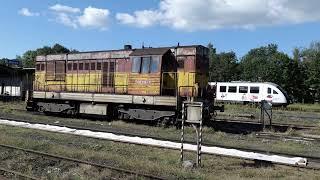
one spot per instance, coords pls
(134, 49)
(244, 82)
(149, 51)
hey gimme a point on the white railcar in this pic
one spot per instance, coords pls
(13, 91)
(250, 92)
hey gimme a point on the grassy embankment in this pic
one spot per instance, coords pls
(144, 159)
(210, 135)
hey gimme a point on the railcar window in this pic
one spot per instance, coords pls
(42, 67)
(223, 88)
(243, 89)
(232, 89)
(86, 66)
(69, 66)
(274, 92)
(155, 61)
(269, 90)
(75, 66)
(93, 66)
(98, 65)
(180, 62)
(136, 63)
(112, 65)
(38, 67)
(80, 66)
(254, 89)
(145, 67)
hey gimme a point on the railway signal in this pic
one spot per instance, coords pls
(266, 109)
(192, 114)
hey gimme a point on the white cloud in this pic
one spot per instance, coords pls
(64, 9)
(143, 18)
(94, 18)
(90, 17)
(191, 15)
(66, 20)
(27, 12)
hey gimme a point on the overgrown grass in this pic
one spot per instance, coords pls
(279, 115)
(209, 134)
(304, 107)
(139, 158)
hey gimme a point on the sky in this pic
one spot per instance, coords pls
(89, 25)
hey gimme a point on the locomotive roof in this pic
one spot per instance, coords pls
(121, 53)
(149, 51)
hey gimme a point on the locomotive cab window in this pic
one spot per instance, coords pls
(232, 89)
(145, 64)
(243, 89)
(42, 67)
(254, 89)
(223, 88)
(38, 67)
(269, 90)
(136, 63)
(180, 62)
(145, 67)
(155, 63)
(274, 92)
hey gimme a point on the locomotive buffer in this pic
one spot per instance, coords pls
(192, 114)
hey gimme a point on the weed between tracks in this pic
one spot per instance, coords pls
(210, 135)
(302, 115)
(144, 159)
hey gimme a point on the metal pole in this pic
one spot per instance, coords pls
(182, 134)
(200, 142)
(197, 132)
(271, 119)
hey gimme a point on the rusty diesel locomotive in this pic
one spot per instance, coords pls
(145, 84)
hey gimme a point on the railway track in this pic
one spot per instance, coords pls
(314, 162)
(8, 172)
(136, 175)
(274, 125)
(273, 136)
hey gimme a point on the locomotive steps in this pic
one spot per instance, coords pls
(277, 159)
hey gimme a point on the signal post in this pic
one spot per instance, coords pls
(192, 114)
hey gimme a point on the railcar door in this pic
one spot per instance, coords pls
(108, 71)
(55, 75)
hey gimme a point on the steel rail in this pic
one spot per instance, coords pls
(137, 174)
(294, 126)
(313, 159)
(18, 174)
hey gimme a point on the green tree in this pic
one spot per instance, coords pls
(267, 64)
(223, 66)
(28, 58)
(3, 61)
(311, 61)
